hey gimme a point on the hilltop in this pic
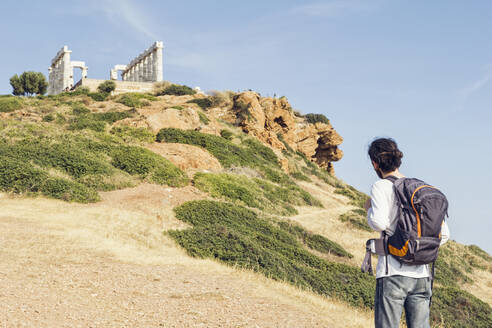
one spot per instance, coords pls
(179, 209)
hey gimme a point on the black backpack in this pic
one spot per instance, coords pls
(421, 212)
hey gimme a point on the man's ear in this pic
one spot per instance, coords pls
(375, 165)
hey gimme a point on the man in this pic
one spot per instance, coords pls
(398, 285)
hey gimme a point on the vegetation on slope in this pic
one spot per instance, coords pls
(74, 153)
(255, 192)
(250, 153)
(74, 157)
(239, 237)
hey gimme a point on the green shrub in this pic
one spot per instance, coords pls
(314, 241)
(456, 308)
(357, 198)
(356, 219)
(87, 122)
(111, 117)
(19, 176)
(10, 104)
(134, 99)
(226, 134)
(252, 154)
(63, 156)
(98, 96)
(178, 107)
(203, 103)
(176, 90)
(69, 191)
(146, 164)
(238, 237)
(132, 134)
(254, 192)
(80, 91)
(203, 118)
(315, 118)
(49, 118)
(79, 109)
(106, 87)
(299, 176)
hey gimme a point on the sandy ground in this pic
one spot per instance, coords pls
(110, 265)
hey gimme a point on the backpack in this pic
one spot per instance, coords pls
(421, 212)
(417, 236)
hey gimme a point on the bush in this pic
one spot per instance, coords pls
(221, 98)
(49, 118)
(314, 241)
(80, 91)
(95, 121)
(299, 176)
(87, 122)
(315, 118)
(176, 90)
(134, 99)
(69, 191)
(203, 118)
(131, 134)
(254, 192)
(98, 96)
(21, 177)
(148, 165)
(357, 219)
(226, 134)
(254, 154)
(111, 117)
(79, 109)
(238, 237)
(106, 87)
(456, 308)
(10, 104)
(203, 103)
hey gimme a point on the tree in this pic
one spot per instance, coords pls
(106, 87)
(29, 83)
(16, 84)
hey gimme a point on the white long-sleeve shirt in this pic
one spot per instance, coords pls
(382, 217)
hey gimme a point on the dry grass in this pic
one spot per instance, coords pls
(130, 231)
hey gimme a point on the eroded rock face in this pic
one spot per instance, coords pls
(273, 121)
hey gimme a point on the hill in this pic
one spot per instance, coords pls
(175, 210)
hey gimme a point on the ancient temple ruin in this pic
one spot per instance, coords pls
(61, 72)
(137, 76)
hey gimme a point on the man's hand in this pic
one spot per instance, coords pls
(367, 205)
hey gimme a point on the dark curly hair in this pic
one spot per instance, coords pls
(385, 153)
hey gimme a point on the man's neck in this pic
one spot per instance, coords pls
(395, 173)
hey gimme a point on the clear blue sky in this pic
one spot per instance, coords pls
(418, 71)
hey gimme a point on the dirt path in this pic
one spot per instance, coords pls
(67, 265)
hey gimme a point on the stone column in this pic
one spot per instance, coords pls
(158, 74)
(67, 69)
(144, 69)
(150, 67)
(140, 70)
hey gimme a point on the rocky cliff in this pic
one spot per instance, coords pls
(273, 121)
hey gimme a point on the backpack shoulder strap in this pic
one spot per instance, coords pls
(391, 178)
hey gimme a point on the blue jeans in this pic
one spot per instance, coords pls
(394, 293)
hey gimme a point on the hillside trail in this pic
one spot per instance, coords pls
(110, 265)
(325, 221)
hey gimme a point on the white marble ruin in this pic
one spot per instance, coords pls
(147, 67)
(61, 72)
